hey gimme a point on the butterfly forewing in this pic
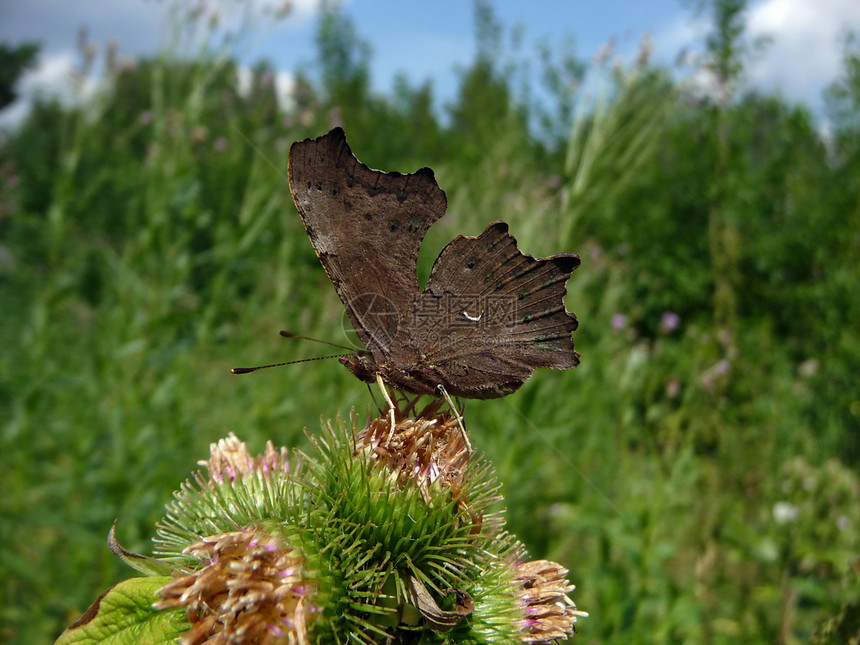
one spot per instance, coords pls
(366, 227)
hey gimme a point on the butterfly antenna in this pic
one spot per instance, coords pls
(289, 334)
(248, 370)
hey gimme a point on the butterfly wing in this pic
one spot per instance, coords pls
(497, 313)
(366, 227)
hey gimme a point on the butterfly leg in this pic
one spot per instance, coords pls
(456, 414)
(388, 400)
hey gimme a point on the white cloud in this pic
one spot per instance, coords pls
(141, 27)
(302, 11)
(13, 115)
(805, 51)
(285, 83)
(803, 56)
(244, 77)
(680, 35)
(55, 76)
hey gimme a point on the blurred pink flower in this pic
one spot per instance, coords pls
(714, 373)
(673, 388)
(669, 322)
(220, 144)
(618, 322)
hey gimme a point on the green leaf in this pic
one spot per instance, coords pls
(140, 563)
(124, 615)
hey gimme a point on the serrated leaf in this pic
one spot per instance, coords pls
(124, 615)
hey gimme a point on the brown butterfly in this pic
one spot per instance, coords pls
(489, 314)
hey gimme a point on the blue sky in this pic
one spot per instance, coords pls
(431, 39)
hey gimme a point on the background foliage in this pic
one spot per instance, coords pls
(698, 471)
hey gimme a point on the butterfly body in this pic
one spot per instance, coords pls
(489, 314)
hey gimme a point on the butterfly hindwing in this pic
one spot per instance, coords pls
(500, 314)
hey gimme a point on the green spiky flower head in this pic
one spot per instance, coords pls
(385, 532)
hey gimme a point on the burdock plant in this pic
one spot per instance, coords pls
(384, 532)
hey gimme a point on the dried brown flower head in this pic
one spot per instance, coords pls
(430, 447)
(550, 614)
(250, 590)
(229, 460)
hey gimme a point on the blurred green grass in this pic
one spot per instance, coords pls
(697, 473)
